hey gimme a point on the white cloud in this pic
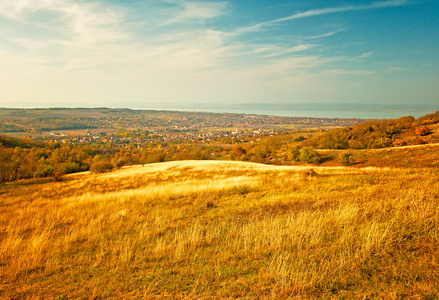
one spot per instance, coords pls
(366, 55)
(323, 11)
(197, 11)
(13, 9)
(91, 51)
(324, 35)
(289, 50)
(395, 69)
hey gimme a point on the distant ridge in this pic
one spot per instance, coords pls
(337, 107)
(354, 107)
(319, 110)
(314, 110)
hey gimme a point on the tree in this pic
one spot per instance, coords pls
(346, 158)
(101, 165)
(296, 153)
(5, 162)
(421, 131)
(239, 151)
(309, 155)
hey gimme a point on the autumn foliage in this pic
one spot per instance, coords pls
(376, 134)
(422, 131)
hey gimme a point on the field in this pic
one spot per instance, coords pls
(221, 229)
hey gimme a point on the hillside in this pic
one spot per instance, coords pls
(419, 156)
(211, 229)
(380, 134)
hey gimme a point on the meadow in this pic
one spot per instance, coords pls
(222, 229)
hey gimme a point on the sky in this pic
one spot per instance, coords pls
(137, 53)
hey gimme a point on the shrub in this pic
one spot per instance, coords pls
(70, 167)
(296, 153)
(101, 166)
(239, 151)
(346, 158)
(309, 155)
(58, 176)
(399, 143)
(44, 171)
(120, 162)
(308, 174)
(422, 131)
(420, 141)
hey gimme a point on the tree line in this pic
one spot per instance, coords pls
(25, 158)
(378, 134)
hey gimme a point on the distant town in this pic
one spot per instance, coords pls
(142, 127)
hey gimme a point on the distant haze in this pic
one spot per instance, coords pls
(315, 110)
(137, 54)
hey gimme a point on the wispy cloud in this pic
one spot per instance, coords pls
(323, 11)
(175, 49)
(74, 23)
(288, 50)
(395, 69)
(196, 11)
(324, 35)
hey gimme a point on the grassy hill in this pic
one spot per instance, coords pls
(221, 229)
(420, 156)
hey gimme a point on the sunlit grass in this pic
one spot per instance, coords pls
(222, 229)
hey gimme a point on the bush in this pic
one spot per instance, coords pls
(70, 167)
(420, 141)
(422, 131)
(44, 171)
(308, 174)
(101, 166)
(399, 143)
(346, 158)
(239, 151)
(58, 176)
(295, 153)
(309, 155)
(120, 162)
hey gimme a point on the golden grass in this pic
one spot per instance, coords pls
(419, 156)
(210, 229)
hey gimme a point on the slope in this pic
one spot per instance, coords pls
(211, 229)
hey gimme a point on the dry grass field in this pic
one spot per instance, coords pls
(220, 229)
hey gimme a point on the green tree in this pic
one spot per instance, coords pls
(309, 155)
(346, 158)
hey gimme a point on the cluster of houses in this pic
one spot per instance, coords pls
(154, 137)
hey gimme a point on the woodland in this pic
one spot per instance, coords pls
(26, 158)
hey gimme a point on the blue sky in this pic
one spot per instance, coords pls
(135, 53)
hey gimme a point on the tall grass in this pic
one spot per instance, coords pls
(222, 230)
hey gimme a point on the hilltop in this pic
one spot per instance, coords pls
(221, 229)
